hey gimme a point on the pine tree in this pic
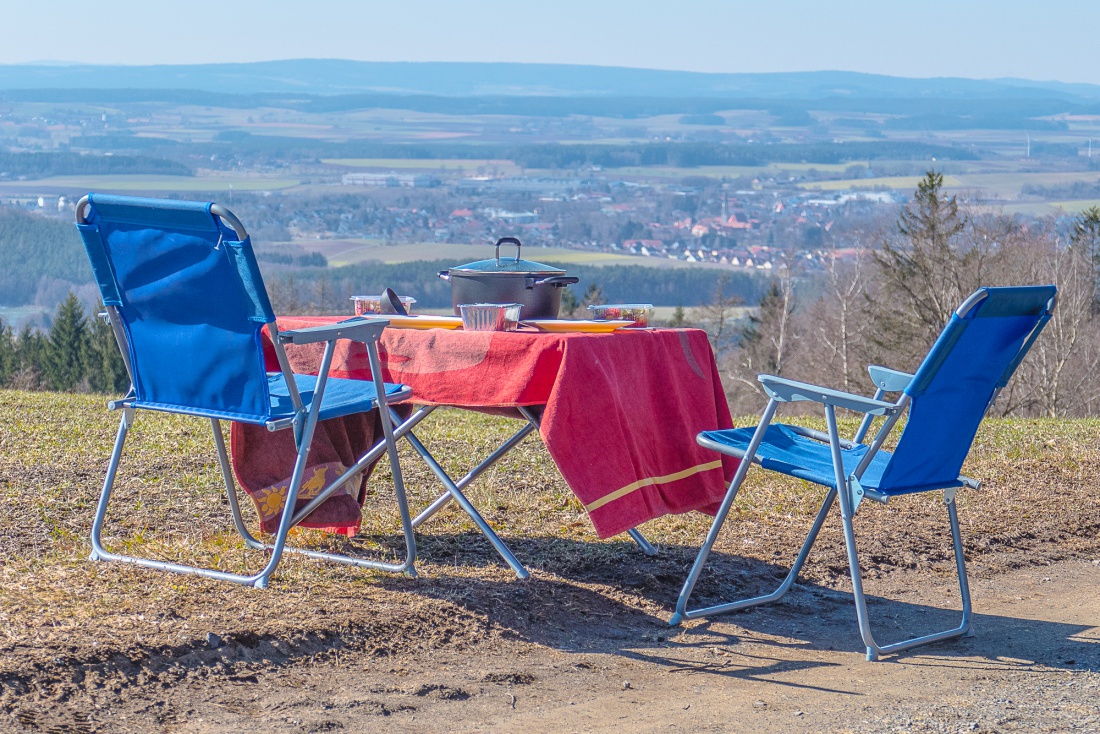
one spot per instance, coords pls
(925, 270)
(569, 303)
(593, 296)
(679, 318)
(65, 348)
(1086, 237)
(9, 359)
(29, 348)
(104, 368)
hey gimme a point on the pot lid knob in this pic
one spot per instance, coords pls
(508, 241)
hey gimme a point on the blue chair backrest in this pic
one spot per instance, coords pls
(191, 300)
(973, 358)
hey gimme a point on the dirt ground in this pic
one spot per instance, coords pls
(581, 646)
(579, 661)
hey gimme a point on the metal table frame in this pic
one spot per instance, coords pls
(454, 488)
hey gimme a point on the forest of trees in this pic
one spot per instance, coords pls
(886, 307)
(77, 353)
(37, 249)
(38, 165)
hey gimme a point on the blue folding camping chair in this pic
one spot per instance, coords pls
(187, 304)
(973, 359)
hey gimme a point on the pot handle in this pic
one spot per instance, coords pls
(444, 274)
(508, 241)
(558, 280)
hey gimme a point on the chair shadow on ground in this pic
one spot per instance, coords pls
(611, 598)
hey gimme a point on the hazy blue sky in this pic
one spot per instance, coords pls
(1055, 39)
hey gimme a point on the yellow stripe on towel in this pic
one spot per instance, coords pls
(634, 486)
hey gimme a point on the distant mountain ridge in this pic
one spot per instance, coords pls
(460, 79)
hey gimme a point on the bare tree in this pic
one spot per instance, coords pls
(840, 319)
(1060, 376)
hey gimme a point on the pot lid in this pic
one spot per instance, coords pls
(507, 264)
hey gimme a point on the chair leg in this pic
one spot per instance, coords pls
(874, 650)
(101, 553)
(783, 588)
(682, 611)
(407, 566)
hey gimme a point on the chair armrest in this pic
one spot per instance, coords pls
(789, 391)
(889, 380)
(357, 329)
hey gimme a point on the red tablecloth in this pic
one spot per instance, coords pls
(622, 409)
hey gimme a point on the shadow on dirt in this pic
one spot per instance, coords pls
(612, 598)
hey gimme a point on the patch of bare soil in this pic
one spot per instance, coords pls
(557, 656)
(583, 645)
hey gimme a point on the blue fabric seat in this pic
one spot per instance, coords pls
(188, 307)
(970, 363)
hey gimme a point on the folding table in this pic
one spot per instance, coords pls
(616, 411)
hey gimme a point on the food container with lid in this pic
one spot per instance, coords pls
(536, 287)
(639, 313)
(490, 316)
(368, 305)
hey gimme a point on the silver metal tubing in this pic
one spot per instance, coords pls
(231, 488)
(474, 473)
(971, 301)
(682, 612)
(880, 437)
(80, 207)
(865, 424)
(115, 319)
(874, 650)
(98, 551)
(821, 436)
(788, 581)
(366, 460)
(231, 219)
(645, 545)
(284, 365)
(847, 511)
(387, 420)
(964, 591)
(466, 505)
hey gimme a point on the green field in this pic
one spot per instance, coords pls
(349, 252)
(428, 164)
(901, 183)
(149, 183)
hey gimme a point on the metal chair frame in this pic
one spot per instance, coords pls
(848, 489)
(303, 423)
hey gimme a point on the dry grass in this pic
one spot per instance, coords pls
(1038, 504)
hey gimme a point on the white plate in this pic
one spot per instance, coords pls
(588, 326)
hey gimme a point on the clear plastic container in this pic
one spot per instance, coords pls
(368, 305)
(490, 316)
(639, 313)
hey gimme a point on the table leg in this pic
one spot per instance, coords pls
(456, 493)
(474, 473)
(532, 415)
(644, 544)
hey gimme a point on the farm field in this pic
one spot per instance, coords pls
(582, 645)
(898, 183)
(450, 165)
(147, 183)
(349, 252)
(999, 185)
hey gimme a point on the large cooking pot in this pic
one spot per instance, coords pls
(534, 285)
